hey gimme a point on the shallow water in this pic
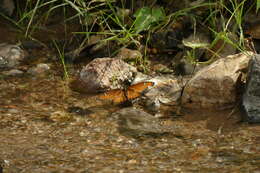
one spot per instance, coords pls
(39, 135)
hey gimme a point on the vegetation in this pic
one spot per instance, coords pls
(131, 23)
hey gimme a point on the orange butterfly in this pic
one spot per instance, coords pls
(122, 95)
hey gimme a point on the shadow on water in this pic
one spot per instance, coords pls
(221, 120)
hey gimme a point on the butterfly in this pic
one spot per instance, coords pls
(119, 96)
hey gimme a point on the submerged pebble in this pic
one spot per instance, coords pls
(40, 69)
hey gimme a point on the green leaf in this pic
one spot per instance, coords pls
(146, 16)
(158, 14)
(143, 19)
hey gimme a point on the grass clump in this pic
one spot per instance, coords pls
(129, 24)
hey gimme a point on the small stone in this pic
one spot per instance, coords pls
(40, 69)
(60, 116)
(10, 55)
(128, 54)
(13, 111)
(13, 72)
(135, 122)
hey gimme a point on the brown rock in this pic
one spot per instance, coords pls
(105, 74)
(215, 85)
(128, 54)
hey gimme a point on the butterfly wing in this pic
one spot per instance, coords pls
(136, 90)
(120, 96)
(116, 96)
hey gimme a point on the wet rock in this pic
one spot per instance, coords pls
(215, 85)
(7, 7)
(104, 74)
(59, 116)
(135, 122)
(13, 72)
(40, 69)
(10, 55)
(251, 97)
(165, 92)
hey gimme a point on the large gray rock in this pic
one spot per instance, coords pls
(251, 97)
(215, 86)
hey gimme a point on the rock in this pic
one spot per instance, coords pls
(215, 85)
(104, 74)
(135, 122)
(10, 55)
(251, 97)
(60, 116)
(165, 92)
(128, 54)
(13, 72)
(40, 69)
(7, 7)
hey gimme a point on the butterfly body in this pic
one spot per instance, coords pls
(123, 95)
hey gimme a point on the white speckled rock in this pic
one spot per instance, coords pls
(40, 69)
(105, 74)
(10, 55)
(166, 91)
